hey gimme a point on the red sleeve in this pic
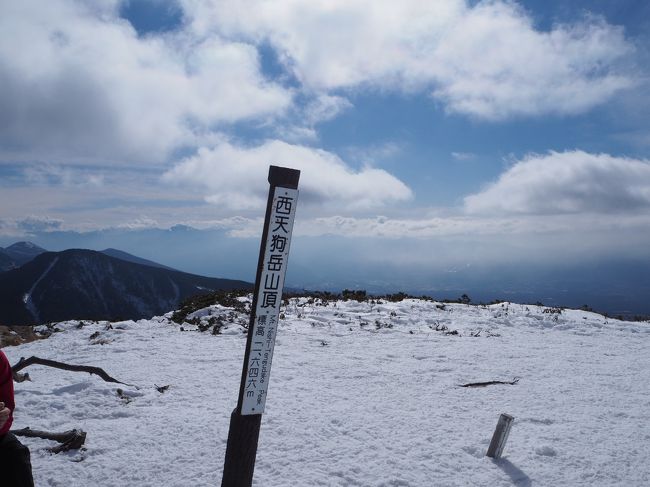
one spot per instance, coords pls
(6, 390)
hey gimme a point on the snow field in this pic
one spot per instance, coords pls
(361, 394)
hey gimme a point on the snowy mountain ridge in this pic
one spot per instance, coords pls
(361, 393)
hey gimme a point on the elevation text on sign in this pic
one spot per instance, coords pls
(269, 299)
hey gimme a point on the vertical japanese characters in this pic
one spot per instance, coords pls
(269, 299)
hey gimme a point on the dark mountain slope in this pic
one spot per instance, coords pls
(84, 284)
(120, 254)
(6, 262)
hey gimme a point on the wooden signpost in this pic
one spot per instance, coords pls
(245, 420)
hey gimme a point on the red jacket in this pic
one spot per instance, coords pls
(6, 390)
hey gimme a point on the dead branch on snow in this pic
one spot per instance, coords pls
(23, 362)
(490, 383)
(70, 440)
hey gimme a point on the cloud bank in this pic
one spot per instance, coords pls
(567, 182)
(79, 86)
(235, 177)
(77, 82)
(488, 61)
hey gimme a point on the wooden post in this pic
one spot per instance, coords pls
(500, 436)
(245, 420)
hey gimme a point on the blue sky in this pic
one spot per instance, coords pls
(431, 136)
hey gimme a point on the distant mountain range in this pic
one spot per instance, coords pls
(18, 254)
(41, 286)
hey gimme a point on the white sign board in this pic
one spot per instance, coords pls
(269, 299)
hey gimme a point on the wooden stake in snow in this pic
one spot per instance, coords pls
(245, 420)
(500, 436)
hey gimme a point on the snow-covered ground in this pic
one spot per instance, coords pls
(361, 394)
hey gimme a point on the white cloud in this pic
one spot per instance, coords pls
(567, 182)
(302, 124)
(474, 226)
(325, 107)
(76, 82)
(60, 175)
(463, 156)
(34, 223)
(493, 64)
(330, 44)
(141, 223)
(487, 60)
(235, 177)
(370, 154)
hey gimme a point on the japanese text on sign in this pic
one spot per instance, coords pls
(269, 299)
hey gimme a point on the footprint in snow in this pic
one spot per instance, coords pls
(473, 451)
(545, 451)
(537, 421)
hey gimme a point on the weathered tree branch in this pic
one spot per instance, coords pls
(70, 440)
(490, 383)
(22, 363)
